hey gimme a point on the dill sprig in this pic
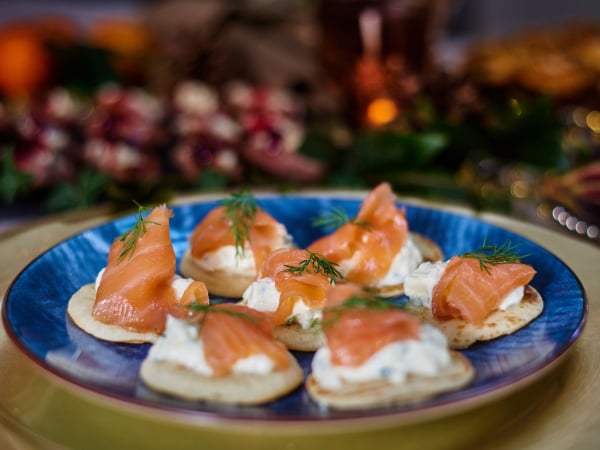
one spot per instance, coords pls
(493, 255)
(336, 218)
(240, 209)
(130, 237)
(210, 309)
(319, 264)
(358, 302)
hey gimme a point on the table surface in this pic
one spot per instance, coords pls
(561, 410)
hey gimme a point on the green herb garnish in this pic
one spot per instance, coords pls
(240, 209)
(209, 309)
(130, 237)
(336, 218)
(493, 255)
(358, 302)
(319, 264)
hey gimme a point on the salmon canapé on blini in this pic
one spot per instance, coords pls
(291, 286)
(476, 296)
(225, 354)
(230, 244)
(138, 288)
(376, 249)
(377, 354)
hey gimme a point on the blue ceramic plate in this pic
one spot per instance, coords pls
(34, 312)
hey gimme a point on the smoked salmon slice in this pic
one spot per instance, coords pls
(284, 267)
(373, 238)
(230, 332)
(215, 231)
(467, 291)
(355, 333)
(135, 290)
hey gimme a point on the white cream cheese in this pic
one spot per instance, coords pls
(514, 298)
(419, 284)
(263, 295)
(181, 345)
(99, 278)
(427, 357)
(305, 315)
(254, 364)
(226, 259)
(403, 263)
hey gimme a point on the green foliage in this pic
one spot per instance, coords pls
(12, 181)
(86, 191)
(83, 68)
(525, 131)
(211, 180)
(387, 151)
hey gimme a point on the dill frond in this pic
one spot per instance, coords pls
(493, 255)
(336, 218)
(318, 264)
(210, 309)
(240, 209)
(130, 237)
(358, 302)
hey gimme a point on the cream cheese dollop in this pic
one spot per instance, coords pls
(180, 345)
(419, 284)
(406, 260)
(427, 356)
(226, 258)
(263, 295)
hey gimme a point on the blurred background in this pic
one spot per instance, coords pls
(494, 104)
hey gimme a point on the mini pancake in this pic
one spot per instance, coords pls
(79, 310)
(294, 337)
(462, 334)
(297, 338)
(244, 389)
(383, 393)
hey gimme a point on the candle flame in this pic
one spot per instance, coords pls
(381, 111)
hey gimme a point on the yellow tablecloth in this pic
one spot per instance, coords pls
(561, 410)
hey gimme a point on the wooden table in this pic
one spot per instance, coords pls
(559, 411)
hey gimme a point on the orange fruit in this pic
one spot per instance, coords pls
(24, 62)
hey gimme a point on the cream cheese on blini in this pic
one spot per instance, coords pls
(419, 284)
(181, 345)
(427, 357)
(229, 259)
(405, 261)
(226, 258)
(263, 295)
